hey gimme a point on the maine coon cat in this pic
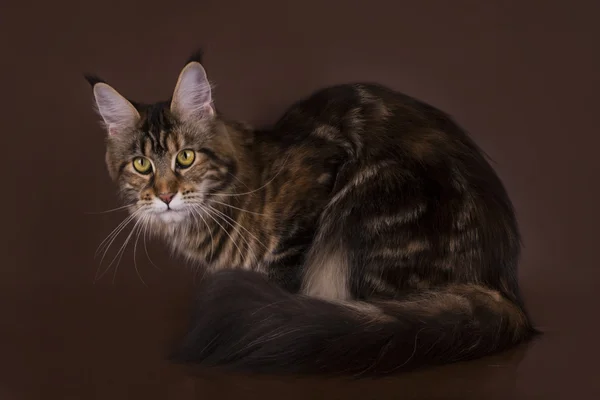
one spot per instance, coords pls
(364, 233)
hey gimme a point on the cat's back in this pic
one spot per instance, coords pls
(372, 120)
(369, 123)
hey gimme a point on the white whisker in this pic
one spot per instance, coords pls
(137, 237)
(120, 252)
(240, 225)
(115, 232)
(222, 215)
(251, 191)
(196, 212)
(112, 210)
(262, 187)
(234, 207)
(145, 247)
(224, 230)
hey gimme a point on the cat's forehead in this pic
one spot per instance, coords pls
(155, 118)
(158, 133)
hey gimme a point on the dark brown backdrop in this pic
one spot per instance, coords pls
(522, 76)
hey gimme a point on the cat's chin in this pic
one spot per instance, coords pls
(170, 216)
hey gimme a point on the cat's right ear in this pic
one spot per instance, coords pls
(118, 114)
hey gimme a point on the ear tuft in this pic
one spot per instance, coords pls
(192, 97)
(117, 112)
(196, 56)
(93, 79)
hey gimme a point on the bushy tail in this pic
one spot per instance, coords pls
(248, 324)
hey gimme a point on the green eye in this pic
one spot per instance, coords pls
(185, 158)
(142, 165)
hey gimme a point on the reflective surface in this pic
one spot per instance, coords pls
(522, 78)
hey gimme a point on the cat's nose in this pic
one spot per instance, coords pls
(166, 197)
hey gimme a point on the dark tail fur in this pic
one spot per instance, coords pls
(248, 324)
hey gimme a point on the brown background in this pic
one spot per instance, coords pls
(522, 76)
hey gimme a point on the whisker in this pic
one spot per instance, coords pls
(119, 254)
(115, 232)
(263, 186)
(240, 225)
(225, 204)
(112, 233)
(236, 208)
(255, 190)
(137, 237)
(145, 247)
(237, 229)
(114, 237)
(122, 250)
(224, 230)
(239, 180)
(212, 240)
(109, 211)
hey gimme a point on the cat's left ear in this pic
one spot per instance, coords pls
(192, 98)
(118, 114)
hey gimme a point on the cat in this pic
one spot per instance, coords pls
(364, 233)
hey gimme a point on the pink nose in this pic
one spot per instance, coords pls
(166, 197)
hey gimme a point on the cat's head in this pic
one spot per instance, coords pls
(167, 157)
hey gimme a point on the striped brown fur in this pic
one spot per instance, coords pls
(363, 233)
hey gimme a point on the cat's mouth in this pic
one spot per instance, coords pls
(168, 213)
(172, 211)
(171, 215)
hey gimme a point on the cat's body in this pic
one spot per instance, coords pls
(393, 237)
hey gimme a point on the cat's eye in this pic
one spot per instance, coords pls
(142, 165)
(185, 158)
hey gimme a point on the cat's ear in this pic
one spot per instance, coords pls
(118, 113)
(192, 98)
